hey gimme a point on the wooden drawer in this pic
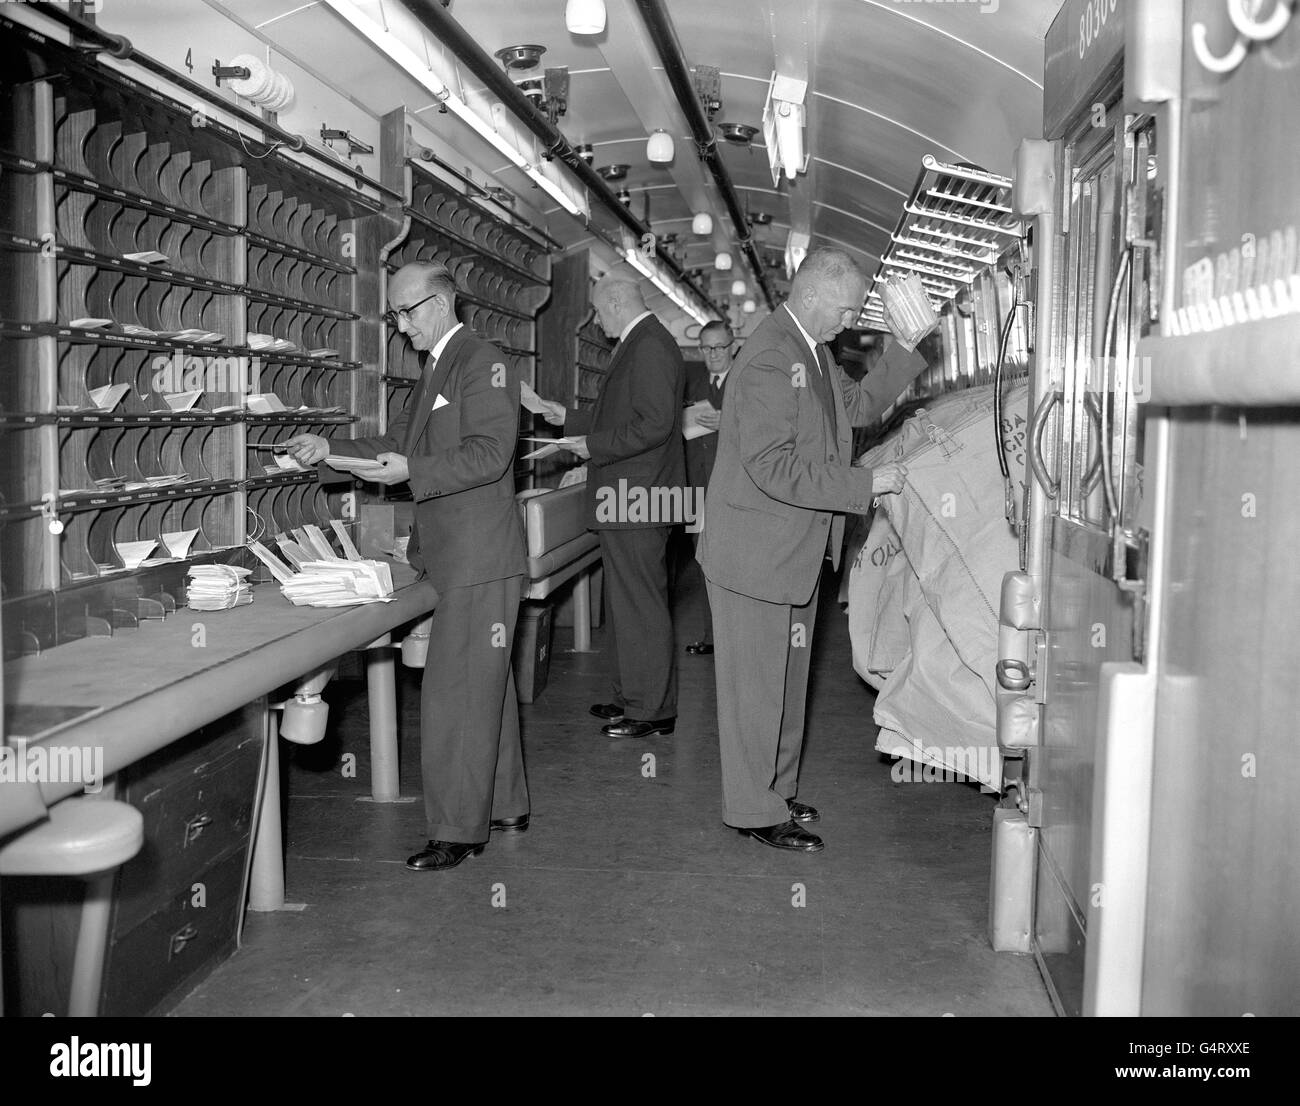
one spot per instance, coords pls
(197, 808)
(176, 946)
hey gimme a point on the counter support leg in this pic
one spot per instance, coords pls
(92, 944)
(382, 685)
(266, 881)
(582, 612)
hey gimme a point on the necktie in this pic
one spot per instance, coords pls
(823, 383)
(715, 392)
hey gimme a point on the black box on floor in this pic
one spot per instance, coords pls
(532, 656)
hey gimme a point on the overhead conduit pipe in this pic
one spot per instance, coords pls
(664, 36)
(434, 17)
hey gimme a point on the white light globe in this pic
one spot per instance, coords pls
(585, 17)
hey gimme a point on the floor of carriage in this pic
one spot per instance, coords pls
(628, 895)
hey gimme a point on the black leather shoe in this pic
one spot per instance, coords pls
(700, 648)
(610, 712)
(788, 835)
(437, 855)
(630, 727)
(802, 812)
(510, 825)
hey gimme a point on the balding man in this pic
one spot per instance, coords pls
(455, 444)
(774, 511)
(636, 476)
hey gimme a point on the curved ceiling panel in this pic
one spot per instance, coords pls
(889, 81)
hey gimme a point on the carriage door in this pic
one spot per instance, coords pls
(1089, 618)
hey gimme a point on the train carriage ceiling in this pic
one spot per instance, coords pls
(888, 82)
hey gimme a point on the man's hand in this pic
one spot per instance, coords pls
(709, 419)
(888, 479)
(579, 446)
(554, 413)
(395, 470)
(308, 449)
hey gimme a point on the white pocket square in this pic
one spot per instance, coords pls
(441, 401)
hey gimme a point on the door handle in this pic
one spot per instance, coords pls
(1092, 405)
(1037, 424)
(196, 826)
(180, 939)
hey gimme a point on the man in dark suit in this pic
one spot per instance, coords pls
(774, 512)
(707, 381)
(636, 487)
(455, 444)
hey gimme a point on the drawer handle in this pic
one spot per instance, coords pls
(195, 826)
(181, 938)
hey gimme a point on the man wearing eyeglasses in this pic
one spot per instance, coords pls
(706, 383)
(455, 445)
(780, 489)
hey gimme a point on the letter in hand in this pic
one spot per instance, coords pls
(709, 419)
(578, 446)
(888, 479)
(554, 413)
(308, 449)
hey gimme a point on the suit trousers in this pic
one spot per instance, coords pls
(470, 753)
(643, 667)
(762, 655)
(706, 617)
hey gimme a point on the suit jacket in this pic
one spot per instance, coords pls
(701, 452)
(634, 433)
(784, 479)
(461, 457)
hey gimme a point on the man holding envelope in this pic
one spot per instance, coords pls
(705, 385)
(632, 441)
(455, 445)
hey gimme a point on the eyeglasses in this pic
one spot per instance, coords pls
(392, 318)
(715, 351)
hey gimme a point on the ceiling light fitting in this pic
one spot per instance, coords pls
(783, 122)
(584, 17)
(702, 223)
(417, 68)
(659, 149)
(741, 134)
(520, 57)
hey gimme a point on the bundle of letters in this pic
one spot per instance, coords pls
(217, 588)
(313, 575)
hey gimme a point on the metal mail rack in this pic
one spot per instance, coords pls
(956, 221)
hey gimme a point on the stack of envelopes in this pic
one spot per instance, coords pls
(217, 588)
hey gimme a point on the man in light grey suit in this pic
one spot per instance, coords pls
(774, 511)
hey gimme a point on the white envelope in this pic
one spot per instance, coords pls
(530, 400)
(441, 401)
